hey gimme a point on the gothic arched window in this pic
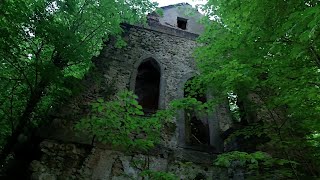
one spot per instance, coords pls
(147, 86)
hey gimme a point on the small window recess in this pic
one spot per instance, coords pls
(182, 23)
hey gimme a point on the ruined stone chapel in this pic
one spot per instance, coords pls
(156, 64)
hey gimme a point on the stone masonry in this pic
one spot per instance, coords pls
(66, 155)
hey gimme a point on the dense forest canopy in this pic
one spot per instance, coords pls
(46, 47)
(267, 53)
(264, 55)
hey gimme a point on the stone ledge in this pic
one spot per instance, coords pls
(156, 27)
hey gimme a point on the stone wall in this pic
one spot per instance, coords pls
(70, 161)
(174, 55)
(70, 156)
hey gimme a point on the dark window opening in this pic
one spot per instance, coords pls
(182, 23)
(199, 131)
(147, 86)
(197, 127)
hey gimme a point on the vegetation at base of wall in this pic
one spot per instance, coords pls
(121, 122)
(267, 53)
(257, 165)
(46, 46)
(158, 175)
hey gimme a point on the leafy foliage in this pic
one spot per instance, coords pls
(256, 165)
(158, 175)
(121, 123)
(267, 54)
(46, 46)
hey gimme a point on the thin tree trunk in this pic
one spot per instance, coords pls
(22, 122)
(32, 103)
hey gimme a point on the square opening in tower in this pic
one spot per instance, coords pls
(182, 23)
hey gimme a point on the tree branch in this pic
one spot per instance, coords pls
(316, 55)
(22, 73)
(37, 58)
(11, 108)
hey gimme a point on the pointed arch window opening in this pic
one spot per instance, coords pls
(147, 85)
(197, 127)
